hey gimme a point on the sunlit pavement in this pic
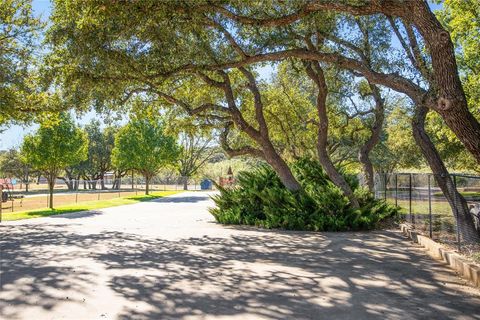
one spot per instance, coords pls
(168, 259)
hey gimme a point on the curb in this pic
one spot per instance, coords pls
(467, 270)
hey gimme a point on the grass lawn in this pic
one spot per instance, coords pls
(421, 207)
(85, 206)
(463, 193)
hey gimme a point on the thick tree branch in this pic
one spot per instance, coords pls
(259, 116)
(236, 114)
(371, 7)
(187, 107)
(420, 64)
(246, 150)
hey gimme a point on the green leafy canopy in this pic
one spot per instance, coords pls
(142, 145)
(55, 146)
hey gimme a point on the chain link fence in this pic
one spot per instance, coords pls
(452, 220)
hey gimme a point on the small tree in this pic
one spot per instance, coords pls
(100, 145)
(143, 146)
(195, 151)
(54, 147)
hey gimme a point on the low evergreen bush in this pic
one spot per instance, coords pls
(261, 199)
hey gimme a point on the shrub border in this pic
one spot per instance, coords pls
(465, 269)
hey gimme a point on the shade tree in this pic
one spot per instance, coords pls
(220, 80)
(427, 46)
(143, 146)
(228, 111)
(101, 143)
(123, 48)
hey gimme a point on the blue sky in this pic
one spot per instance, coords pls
(41, 7)
(13, 136)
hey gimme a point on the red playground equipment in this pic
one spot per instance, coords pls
(228, 181)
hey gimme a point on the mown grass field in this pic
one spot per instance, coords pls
(37, 199)
(85, 206)
(421, 207)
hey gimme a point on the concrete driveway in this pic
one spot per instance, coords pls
(167, 259)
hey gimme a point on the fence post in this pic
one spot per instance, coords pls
(396, 189)
(456, 211)
(76, 196)
(430, 207)
(410, 197)
(385, 184)
(1, 204)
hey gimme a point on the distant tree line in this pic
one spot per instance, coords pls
(60, 149)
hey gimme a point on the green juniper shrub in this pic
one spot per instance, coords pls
(260, 199)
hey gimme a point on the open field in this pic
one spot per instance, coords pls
(37, 198)
(61, 187)
(86, 205)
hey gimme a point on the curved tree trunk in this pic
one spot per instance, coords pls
(456, 201)
(322, 135)
(367, 168)
(449, 101)
(376, 130)
(281, 167)
(261, 136)
(69, 182)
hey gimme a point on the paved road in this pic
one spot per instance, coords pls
(167, 259)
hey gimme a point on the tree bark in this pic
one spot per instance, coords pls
(69, 183)
(456, 201)
(318, 78)
(367, 168)
(450, 98)
(376, 130)
(446, 95)
(51, 184)
(27, 182)
(185, 183)
(280, 166)
(133, 185)
(147, 183)
(261, 136)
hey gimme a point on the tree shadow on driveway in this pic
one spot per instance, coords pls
(265, 275)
